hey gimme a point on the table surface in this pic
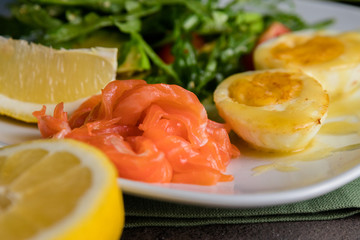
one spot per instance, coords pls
(345, 228)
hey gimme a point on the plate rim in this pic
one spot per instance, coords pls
(247, 200)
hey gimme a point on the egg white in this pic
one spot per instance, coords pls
(339, 76)
(282, 127)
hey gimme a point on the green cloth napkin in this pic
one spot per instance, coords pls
(141, 212)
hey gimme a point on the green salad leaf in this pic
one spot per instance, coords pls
(195, 44)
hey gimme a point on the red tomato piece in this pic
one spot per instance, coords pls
(274, 30)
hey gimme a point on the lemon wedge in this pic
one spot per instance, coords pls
(58, 189)
(32, 75)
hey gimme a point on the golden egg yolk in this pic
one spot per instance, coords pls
(315, 50)
(266, 89)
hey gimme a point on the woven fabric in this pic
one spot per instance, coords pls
(340, 203)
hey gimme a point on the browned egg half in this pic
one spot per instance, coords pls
(273, 110)
(331, 58)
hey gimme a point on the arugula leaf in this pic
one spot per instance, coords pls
(35, 16)
(208, 38)
(156, 59)
(132, 59)
(89, 23)
(111, 6)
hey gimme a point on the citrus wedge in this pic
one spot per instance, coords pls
(32, 75)
(58, 189)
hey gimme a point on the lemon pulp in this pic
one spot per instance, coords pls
(32, 75)
(58, 189)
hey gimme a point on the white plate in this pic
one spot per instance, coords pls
(317, 173)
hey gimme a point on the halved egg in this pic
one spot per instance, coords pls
(273, 110)
(331, 58)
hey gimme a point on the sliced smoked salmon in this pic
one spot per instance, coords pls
(151, 132)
